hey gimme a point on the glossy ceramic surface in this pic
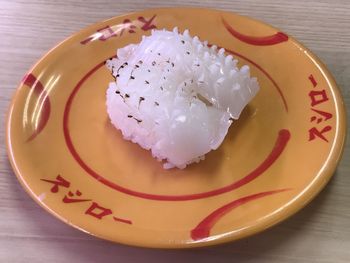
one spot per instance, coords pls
(275, 159)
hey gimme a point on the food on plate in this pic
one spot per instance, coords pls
(176, 96)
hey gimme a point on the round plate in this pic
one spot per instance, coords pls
(274, 160)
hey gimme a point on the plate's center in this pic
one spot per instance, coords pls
(102, 148)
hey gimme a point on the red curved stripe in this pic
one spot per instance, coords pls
(280, 144)
(202, 230)
(33, 83)
(266, 74)
(277, 38)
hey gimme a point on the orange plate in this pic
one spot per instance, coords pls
(275, 159)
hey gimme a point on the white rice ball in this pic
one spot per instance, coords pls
(176, 96)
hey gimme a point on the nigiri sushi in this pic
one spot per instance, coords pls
(176, 96)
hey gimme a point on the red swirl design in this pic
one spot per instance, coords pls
(33, 83)
(277, 38)
(280, 144)
(202, 230)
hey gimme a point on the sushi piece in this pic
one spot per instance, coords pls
(176, 96)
